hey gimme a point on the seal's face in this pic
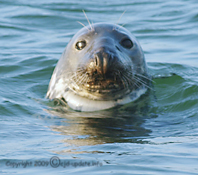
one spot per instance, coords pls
(101, 62)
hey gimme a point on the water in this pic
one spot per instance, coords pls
(161, 138)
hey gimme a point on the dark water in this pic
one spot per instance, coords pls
(160, 138)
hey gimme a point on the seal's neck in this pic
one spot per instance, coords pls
(79, 103)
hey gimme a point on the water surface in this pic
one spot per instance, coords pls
(160, 137)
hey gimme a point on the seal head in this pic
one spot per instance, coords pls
(102, 66)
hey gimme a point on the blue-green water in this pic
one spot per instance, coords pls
(162, 139)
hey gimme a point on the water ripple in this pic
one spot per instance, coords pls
(161, 140)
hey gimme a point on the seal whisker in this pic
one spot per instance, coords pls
(136, 84)
(80, 70)
(78, 76)
(74, 77)
(136, 75)
(83, 25)
(131, 80)
(92, 25)
(120, 18)
(123, 24)
(143, 83)
(83, 77)
(123, 82)
(127, 82)
(73, 74)
(143, 76)
(67, 74)
(88, 20)
(130, 74)
(86, 80)
(118, 74)
(140, 81)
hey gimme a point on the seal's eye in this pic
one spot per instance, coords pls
(80, 45)
(127, 43)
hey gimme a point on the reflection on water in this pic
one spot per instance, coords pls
(123, 124)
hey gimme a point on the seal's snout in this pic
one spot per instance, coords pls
(101, 63)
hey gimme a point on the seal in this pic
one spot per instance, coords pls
(103, 66)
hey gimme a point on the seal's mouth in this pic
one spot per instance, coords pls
(108, 87)
(104, 86)
(112, 86)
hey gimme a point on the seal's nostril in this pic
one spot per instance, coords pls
(96, 60)
(95, 72)
(118, 48)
